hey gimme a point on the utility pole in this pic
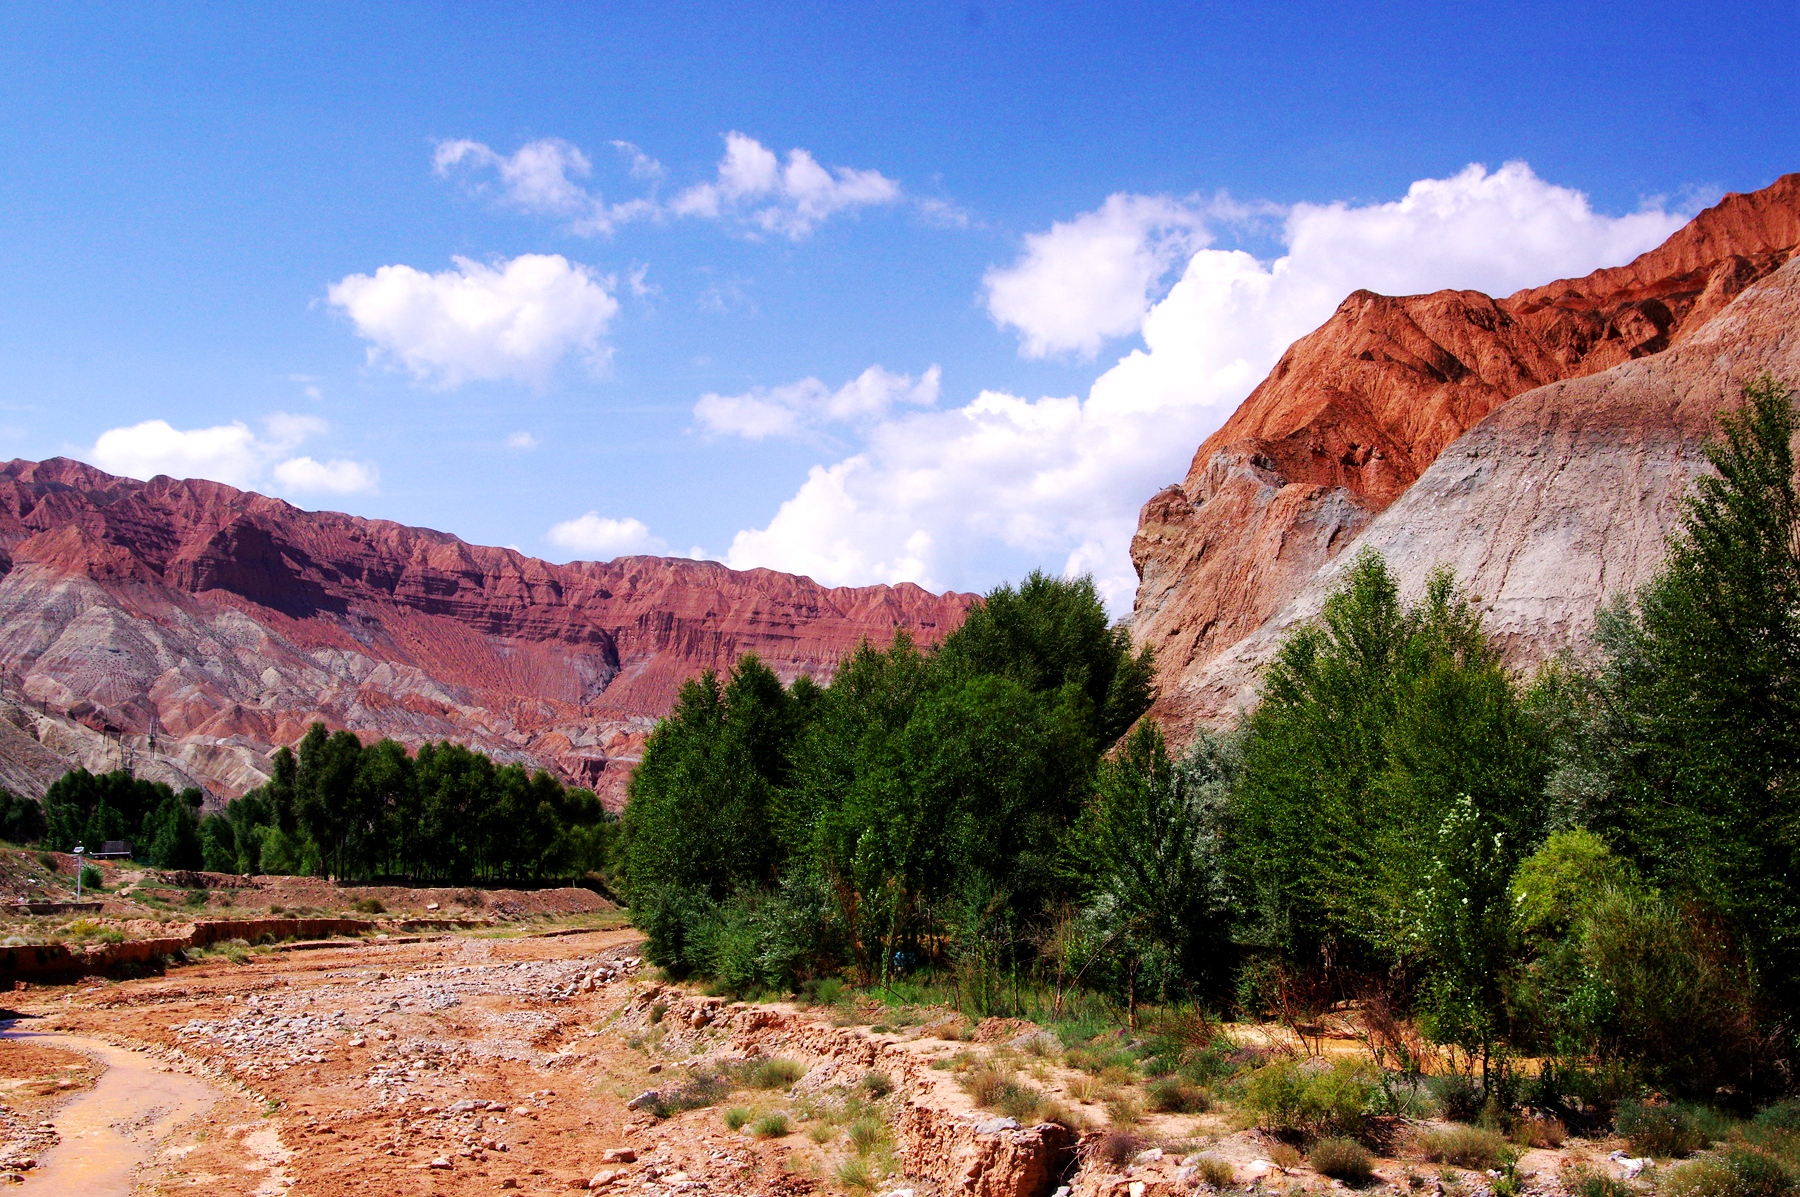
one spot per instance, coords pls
(80, 860)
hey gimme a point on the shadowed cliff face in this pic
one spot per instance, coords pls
(223, 619)
(1356, 411)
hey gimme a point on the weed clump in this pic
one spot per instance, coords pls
(371, 906)
(1117, 1148)
(736, 1118)
(1215, 1172)
(776, 1074)
(855, 1173)
(771, 1126)
(1463, 1146)
(866, 1134)
(1343, 1159)
(877, 1085)
(1737, 1172)
(1172, 1095)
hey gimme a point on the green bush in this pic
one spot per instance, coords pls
(1342, 1159)
(92, 878)
(877, 1084)
(866, 1133)
(1464, 1146)
(736, 1118)
(1783, 1115)
(1665, 1131)
(1310, 1096)
(371, 906)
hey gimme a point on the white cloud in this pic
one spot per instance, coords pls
(336, 476)
(540, 178)
(1092, 278)
(791, 200)
(932, 495)
(522, 440)
(797, 407)
(547, 177)
(232, 454)
(512, 320)
(596, 536)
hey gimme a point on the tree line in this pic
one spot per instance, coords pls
(1594, 865)
(339, 808)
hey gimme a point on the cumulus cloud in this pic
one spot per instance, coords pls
(1092, 278)
(789, 200)
(596, 536)
(808, 404)
(510, 320)
(233, 454)
(522, 440)
(931, 495)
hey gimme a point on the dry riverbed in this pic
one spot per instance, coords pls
(498, 1062)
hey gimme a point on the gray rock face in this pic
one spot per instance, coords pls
(1557, 501)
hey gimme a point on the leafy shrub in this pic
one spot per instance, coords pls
(1783, 1115)
(657, 1011)
(1458, 1097)
(1172, 1095)
(770, 1126)
(195, 897)
(776, 1074)
(877, 1085)
(1215, 1172)
(1463, 1146)
(1663, 1131)
(1019, 1101)
(91, 878)
(1310, 1096)
(736, 1117)
(1342, 1159)
(371, 906)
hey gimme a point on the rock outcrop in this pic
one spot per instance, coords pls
(187, 627)
(1357, 411)
(1555, 503)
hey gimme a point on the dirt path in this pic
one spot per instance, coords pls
(115, 1127)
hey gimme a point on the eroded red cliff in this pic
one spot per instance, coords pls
(224, 622)
(1357, 410)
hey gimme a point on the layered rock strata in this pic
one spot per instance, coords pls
(1554, 504)
(1357, 411)
(189, 627)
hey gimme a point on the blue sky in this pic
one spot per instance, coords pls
(968, 284)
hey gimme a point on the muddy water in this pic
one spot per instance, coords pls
(113, 1128)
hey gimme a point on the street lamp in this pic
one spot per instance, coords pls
(79, 851)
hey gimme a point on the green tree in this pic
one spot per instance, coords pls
(1691, 754)
(1392, 780)
(703, 814)
(21, 819)
(1050, 633)
(1151, 847)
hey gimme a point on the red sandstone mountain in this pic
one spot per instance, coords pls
(1356, 411)
(223, 622)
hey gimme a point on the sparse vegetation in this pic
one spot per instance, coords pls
(737, 1117)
